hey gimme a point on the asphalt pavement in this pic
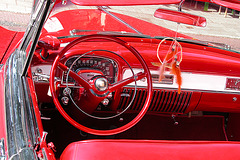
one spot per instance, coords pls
(219, 28)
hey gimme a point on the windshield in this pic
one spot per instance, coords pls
(222, 27)
(220, 30)
(15, 21)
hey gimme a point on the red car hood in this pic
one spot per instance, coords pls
(5, 41)
(8, 42)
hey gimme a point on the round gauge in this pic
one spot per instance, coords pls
(96, 65)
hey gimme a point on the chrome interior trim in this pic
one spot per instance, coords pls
(167, 79)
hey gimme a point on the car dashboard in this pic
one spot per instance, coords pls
(199, 91)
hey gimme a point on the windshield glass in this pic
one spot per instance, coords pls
(15, 20)
(222, 30)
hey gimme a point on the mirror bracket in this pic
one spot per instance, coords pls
(180, 6)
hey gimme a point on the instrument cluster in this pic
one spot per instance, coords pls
(89, 67)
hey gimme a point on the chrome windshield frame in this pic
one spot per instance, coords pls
(39, 15)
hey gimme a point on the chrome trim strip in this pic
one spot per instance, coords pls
(2, 149)
(190, 81)
(19, 142)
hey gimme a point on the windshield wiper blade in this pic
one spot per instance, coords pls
(221, 45)
(207, 43)
(192, 41)
(75, 31)
(123, 33)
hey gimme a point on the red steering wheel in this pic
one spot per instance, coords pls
(96, 94)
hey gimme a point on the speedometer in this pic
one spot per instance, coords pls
(91, 66)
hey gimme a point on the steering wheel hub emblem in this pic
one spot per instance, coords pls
(101, 84)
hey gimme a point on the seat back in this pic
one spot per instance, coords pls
(151, 150)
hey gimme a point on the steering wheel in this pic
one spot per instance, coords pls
(99, 90)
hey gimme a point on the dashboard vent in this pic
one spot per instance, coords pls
(162, 101)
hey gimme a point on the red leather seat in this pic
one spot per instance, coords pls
(151, 149)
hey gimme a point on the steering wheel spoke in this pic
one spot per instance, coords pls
(126, 81)
(75, 76)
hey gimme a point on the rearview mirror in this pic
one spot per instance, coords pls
(180, 17)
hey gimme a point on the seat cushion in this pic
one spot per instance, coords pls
(151, 149)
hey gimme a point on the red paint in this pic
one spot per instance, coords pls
(6, 39)
(123, 2)
(219, 102)
(15, 42)
(233, 4)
